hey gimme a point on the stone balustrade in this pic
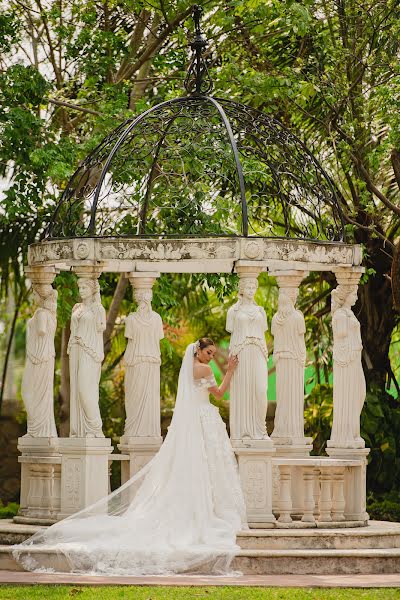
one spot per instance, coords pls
(328, 494)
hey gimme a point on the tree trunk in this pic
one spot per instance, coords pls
(376, 314)
(113, 312)
(64, 394)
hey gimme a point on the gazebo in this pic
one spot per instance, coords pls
(202, 184)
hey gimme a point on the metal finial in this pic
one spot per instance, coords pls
(198, 80)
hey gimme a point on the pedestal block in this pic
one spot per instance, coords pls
(291, 448)
(255, 470)
(40, 480)
(84, 472)
(140, 450)
(355, 482)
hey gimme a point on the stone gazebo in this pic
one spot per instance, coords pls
(201, 184)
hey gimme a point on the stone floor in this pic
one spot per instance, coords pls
(306, 581)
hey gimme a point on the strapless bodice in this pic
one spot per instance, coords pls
(202, 386)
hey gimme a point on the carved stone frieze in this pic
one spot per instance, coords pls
(69, 252)
(50, 252)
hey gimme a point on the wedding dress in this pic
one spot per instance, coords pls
(179, 514)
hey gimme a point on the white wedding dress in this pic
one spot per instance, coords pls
(179, 514)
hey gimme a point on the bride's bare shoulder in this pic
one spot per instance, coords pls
(200, 371)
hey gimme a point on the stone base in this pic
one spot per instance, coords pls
(140, 450)
(349, 446)
(297, 448)
(84, 472)
(266, 443)
(255, 470)
(40, 480)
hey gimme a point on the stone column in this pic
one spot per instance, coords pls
(349, 387)
(85, 454)
(144, 330)
(348, 392)
(248, 399)
(288, 329)
(40, 459)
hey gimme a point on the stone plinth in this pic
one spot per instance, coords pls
(355, 481)
(40, 480)
(255, 470)
(140, 450)
(84, 472)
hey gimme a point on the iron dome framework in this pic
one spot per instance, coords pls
(199, 166)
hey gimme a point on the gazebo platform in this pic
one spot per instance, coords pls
(334, 551)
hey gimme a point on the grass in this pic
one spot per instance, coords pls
(58, 592)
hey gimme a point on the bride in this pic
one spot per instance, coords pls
(180, 513)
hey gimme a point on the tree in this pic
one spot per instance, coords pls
(329, 70)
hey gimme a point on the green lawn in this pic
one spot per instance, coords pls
(46, 592)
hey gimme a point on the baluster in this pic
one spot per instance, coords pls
(338, 500)
(325, 501)
(309, 503)
(285, 499)
(317, 492)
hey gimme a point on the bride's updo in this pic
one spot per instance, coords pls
(204, 343)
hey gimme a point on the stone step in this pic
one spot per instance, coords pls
(377, 534)
(317, 562)
(273, 562)
(14, 533)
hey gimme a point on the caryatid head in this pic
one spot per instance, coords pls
(344, 296)
(89, 288)
(247, 288)
(45, 296)
(143, 297)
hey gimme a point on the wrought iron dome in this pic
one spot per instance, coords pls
(199, 165)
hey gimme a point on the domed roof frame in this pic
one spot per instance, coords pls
(198, 84)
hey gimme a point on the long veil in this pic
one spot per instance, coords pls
(161, 521)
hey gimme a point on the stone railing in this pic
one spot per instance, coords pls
(319, 492)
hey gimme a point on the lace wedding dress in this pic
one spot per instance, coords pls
(179, 514)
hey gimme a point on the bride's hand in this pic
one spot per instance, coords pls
(233, 363)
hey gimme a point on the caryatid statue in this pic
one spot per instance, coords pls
(85, 349)
(247, 323)
(144, 330)
(288, 329)
(349, 387)
(38, 378)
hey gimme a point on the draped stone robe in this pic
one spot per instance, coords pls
(142, 375)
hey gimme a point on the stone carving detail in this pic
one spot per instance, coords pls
(82, 250)
(348, 377)
(247, 323)
(254, 486)
(38, 377)
(50, 252)
(144, 330)
(72, 483)
(288, 328)
(303, 252)
(85, 349)
(254, 249)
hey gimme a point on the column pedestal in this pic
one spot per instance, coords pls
(84, 472)
(40, 480)
(255, 470)
(355, 482)
(291, 448)
(140, 450)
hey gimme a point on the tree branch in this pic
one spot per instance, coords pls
(156, 45)
(372, 187)
(76, 107)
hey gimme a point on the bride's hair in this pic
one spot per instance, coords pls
(204, 342)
